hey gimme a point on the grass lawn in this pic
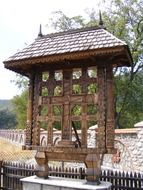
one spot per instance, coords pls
(12, 152)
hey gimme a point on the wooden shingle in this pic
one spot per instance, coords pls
(69, 45)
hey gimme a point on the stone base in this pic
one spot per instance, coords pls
(56, 183)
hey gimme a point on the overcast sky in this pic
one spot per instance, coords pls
(19, 25)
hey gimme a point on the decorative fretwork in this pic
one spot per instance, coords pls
(110, 123)
(64, 96)
(28, 141)
(36, 127)
(101, 137)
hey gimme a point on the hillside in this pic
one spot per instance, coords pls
(5, 104)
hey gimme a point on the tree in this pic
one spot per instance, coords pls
(19, 102)
(20, 108)
(7, 119)
(125, 20)
(61, 22)
(132, 109)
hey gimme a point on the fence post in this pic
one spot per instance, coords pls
(1, 173)
(81, 175)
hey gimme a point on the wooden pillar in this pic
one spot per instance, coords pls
(101, 136)
(50, 119)
(93, 168)
(66, 128)
(28, 141)
(50, 126)
(36, 124)
(84, 109)
(110, 114)
(51, 86)
(84, 126)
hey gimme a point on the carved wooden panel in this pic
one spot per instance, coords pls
(30, 111)
(101, 137)
(36, 127)
(110, 123)
(79, 96)
(74, 93)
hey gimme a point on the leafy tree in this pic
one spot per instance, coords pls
(124, 19)
(21, 82)
(132, 111)
(7, 119)
(19, 102)
(61, 22)
(20, 108)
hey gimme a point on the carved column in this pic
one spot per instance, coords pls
(84, 125)
(50, 118)
(66, 131)
(50, 126)
(29, 112)
(101, 136)
(110, 115)
(36, 124)
(84, 109)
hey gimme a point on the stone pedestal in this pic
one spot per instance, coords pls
(56, 183)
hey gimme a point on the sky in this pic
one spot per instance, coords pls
(19, 26)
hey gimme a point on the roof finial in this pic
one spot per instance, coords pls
(40, 31)
(100, 19)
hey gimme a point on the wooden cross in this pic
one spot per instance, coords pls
(67, 100)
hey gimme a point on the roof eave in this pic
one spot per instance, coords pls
(129, 55)
(49, 59)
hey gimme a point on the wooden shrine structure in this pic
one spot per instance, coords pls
(71, 84)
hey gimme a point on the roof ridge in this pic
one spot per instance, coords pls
(72, 31)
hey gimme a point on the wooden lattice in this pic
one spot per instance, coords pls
(70, 91)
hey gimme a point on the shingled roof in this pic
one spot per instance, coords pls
(96, 40)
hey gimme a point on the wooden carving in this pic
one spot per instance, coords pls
(72, 97)
(110, 123)
(71, 86)
(30, 112)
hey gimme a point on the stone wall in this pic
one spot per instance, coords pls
(129, 144)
